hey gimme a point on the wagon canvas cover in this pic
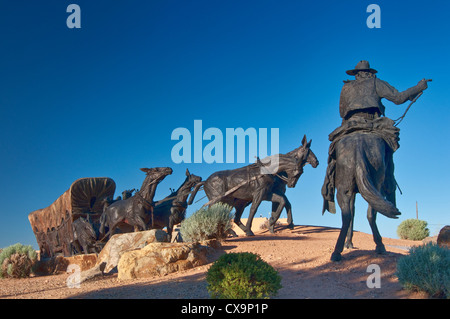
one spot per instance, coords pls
(52, 225)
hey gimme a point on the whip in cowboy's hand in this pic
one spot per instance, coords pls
(424, 84)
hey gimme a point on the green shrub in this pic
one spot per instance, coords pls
(242, 276)
(426, 268)
(413, 229)
(207, 223)
(16, 261)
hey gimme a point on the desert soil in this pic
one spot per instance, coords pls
(301, 256)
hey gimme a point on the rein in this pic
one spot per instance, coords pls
(283, 178)
(173, 197)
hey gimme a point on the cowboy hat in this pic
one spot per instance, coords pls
(361, 66)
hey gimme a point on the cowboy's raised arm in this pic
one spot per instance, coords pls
(387, 91)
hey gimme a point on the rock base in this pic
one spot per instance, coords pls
(117, 245)
(159, 259)
(59, 264)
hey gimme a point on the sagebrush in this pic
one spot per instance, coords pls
(426, 268)
(213, 222)
(242, 276)
(16, 261)
(413, 229)
(266, 224)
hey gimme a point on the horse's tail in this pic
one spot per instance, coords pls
(369, 192)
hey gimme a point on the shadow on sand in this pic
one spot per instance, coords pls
(301, 278)
(350, 278)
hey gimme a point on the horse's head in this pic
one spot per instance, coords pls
(191, 179)
(305, 155)
(156, 174)
(312, 159)
(289, 166)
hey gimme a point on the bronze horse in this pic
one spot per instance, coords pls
(280, 185)
(361, 168)
(137, 210)
(171, 210)
(250, 185)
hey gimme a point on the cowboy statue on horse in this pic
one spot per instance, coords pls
(361, 111)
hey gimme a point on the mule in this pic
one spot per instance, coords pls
(137, 210)
(361, 168)
(251, 185)
(171, 210)
(303, 151)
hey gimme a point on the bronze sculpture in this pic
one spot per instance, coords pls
(84, 237)
(53, 225)
(127, 193)
(137, 210)
(280, 185)
(171, 210)
(361, 152)
(247, 185)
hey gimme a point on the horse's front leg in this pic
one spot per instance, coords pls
(290, 220)
(278, 203)
(255, 204)
(273, 219)
(174, 211)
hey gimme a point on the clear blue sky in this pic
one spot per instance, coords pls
(103, 100)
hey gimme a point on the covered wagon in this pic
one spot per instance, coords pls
(53, 225)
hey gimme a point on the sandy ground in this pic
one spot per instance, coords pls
(301, 256)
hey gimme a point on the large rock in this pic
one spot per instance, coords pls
(118, 244)
(58, 264)
(443, 239)
(159, 259)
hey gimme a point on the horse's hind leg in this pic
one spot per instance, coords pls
(371, 217)
(139, 222)
(276, 212)
(237, 216)
(344, 202)
(348, 242)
